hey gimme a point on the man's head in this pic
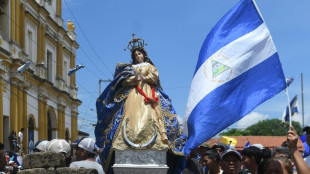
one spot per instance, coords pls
(59, 145)
(307, 130)
(252, 157)
(203, 148)
(22, 129)
(220, 148)
(40, 146)
(85, 148)
(231, 162)
(211, 159)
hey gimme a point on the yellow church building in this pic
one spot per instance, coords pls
(43, 98)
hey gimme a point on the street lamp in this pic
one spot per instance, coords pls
(100, 80)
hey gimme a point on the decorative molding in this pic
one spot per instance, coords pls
(140, 161)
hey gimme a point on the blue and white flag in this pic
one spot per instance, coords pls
(238, 69)
(294, 110)
(248, 144)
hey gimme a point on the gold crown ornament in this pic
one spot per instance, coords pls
(135, 43)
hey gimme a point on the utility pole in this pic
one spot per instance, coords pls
(302, 99)
(100, 80)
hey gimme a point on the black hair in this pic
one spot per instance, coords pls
(142, 50)
(284, 144)
(1, 146)
(146, 59)
(282, 150)
(287, 164)
(266, 153)
(253, 151)
(213, 155)
(22, 129)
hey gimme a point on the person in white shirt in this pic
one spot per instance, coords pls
(85, 155)
(20, 138)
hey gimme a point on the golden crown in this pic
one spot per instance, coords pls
(135, 43)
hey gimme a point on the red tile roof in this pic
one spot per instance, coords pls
(266, 141)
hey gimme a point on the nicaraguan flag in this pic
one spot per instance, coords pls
(238, 69)
(248, 144)
(294, 110)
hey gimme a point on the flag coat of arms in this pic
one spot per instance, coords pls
(238, 68)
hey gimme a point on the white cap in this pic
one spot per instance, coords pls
(40, 145)
(260, 146)
(87, 144)
(58, 145)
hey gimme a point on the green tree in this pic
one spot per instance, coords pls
(270, 127)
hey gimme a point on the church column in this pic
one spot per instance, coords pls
(45, 120)
(72, 65)
(13, 108)
(41, 120)
(58, 8)
(63, 123)
(25, 119)
(41, 42)
(13, 17)
(59, 63)
(42, 115)
(74, 130)
(22, 26)
(1, 110)
(17, 21)
(20, 107)
(60, 124)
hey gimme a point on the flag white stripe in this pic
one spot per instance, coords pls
(252, 44)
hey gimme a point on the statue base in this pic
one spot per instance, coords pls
(140, 161)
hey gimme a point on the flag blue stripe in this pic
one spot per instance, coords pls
(236, 98)
(228, 30)
(294, 109)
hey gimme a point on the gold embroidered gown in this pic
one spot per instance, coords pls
(143, 117)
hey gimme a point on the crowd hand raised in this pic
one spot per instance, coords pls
(292, 138)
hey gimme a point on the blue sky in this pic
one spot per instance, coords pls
(174, 31)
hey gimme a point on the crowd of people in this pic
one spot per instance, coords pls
(218, 159)
(85, 153)
(255, 159)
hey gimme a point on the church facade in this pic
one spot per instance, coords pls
(42, 99)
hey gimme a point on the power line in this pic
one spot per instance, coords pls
(87, 38)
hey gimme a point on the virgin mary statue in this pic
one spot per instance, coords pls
(135, 113)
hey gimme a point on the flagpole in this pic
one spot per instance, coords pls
(289, 105)
(261, 16)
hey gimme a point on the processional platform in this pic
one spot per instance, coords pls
(140, 162)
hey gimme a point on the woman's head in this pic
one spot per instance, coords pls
(139, 55)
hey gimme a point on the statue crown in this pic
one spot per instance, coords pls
(135, 43)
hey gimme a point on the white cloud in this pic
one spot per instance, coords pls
(250, 119)
(298, 118)
(180, 119)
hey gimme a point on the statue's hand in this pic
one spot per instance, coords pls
(139, 78)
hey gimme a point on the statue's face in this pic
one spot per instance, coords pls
(139, 56)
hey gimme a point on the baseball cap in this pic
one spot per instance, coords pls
(306, 128)
(206, 145)
(260, 146)
(220, 145)
(87, 144)
(40, 145)
(58, 145)
(231, 151)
